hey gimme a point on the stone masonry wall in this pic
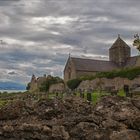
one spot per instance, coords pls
(117, 82)
(57, 87)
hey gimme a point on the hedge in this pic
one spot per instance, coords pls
(74, 83)
(129, 73)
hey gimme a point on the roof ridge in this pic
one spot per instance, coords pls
(89, 59)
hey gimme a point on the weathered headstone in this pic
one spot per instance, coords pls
(126, 90)
(89, 95)
(80, 92)
(57, 93)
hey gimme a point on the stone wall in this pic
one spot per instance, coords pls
(69, 72)
(117, 82)
(33, 86)
(57, 87)
(119, 52)
(137, 63)
(36, 83)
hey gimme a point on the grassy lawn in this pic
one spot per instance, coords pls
(3, 103)
(52, 95)
(96, 95)
(121, 93)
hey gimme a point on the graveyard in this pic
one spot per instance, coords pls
(69, 70)
(73, 115)
(103, 106)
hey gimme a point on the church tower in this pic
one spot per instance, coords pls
(119, 52)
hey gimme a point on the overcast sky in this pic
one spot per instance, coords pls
(38, 35)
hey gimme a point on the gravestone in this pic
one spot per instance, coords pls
(80, 92)
(126, 90)
(89, 94)
(74, 91)
(56, 93)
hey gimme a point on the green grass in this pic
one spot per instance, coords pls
(3, 103)
(52, 95)
(96, 95)
(129, 73)
(121, 93)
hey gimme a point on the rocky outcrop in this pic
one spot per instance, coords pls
(73, 118)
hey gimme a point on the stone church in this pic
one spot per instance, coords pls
(119, 57)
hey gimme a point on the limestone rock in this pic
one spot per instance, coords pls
(126, 135)
(73, 118)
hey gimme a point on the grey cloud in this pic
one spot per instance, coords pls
(94, 28)
(12, 73)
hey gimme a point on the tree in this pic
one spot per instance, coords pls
(136, 42)
(74, 83)
(50, 80)
(28, 86)
(44, 86)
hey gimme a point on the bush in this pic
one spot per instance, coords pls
(28, 86)
(129, 73)
(44, 86)
(74, 83)
(48, 82)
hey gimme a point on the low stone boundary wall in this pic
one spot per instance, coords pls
(103, 83)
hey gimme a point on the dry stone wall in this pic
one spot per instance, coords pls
(57, 87)
(117, 82)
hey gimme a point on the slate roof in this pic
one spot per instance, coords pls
(93, 65)
(119, 42)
